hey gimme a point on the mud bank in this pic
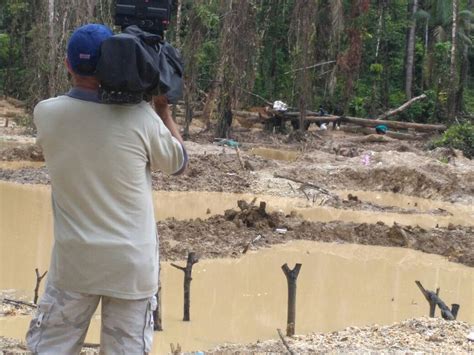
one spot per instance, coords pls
(230, 234)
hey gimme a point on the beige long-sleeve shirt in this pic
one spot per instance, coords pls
(99, 158)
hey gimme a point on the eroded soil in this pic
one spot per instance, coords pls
(338, 162)
(229, 235)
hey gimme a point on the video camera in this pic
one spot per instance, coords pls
(150, 15)
(138, 63)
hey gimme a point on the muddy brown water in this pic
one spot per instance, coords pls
(244, 300)
(16, 165)
(275, 154)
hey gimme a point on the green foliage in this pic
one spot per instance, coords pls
(378, 83)
(208, 15)
(469, 101)
(376, 68)
(4, 44)
(458, 137)
(357, 106)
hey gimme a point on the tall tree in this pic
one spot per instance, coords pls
(468, 23)
(350, 61)
(453, 74)
(303, 33)
(237, 59)
(410, 57)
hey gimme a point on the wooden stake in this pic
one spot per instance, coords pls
(291, 277)
(192, 259)
(38, 282)
(158, 322)
(175, 350)
(237, 150)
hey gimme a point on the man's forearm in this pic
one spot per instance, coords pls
(162, 109)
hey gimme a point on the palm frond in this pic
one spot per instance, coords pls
(439, 34)
(465, 39)
(466, 15)
(443, 12)
(422, 15)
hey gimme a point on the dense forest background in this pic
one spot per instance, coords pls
(357, 57)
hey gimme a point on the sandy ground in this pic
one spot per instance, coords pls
(413, 336)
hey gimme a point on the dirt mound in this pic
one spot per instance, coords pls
(252, 216)
(213, 172)
(29, 152)
(427, 180)
(230, 234)
(421, 335)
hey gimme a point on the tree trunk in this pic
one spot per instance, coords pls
(52, 48)
(464, 66)
(381, 11)
(225, 112)
(411, 51)
(178, 23)
(452, 70)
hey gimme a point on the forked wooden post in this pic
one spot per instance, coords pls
(38, 283)
(434, 300)
(192, 259)
(291, 277)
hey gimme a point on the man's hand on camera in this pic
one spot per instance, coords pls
(162, 109)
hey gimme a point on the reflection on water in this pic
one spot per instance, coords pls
(244, 300)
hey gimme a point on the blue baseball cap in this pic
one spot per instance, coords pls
(83, 49)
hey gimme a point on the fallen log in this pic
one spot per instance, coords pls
(401, 108)
(395, 124)
(397, 135)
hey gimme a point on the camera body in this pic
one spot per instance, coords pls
(150, 15)
(138, 63)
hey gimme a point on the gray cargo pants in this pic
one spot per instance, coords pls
(62, 319)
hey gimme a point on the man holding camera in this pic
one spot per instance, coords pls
(99, 157)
